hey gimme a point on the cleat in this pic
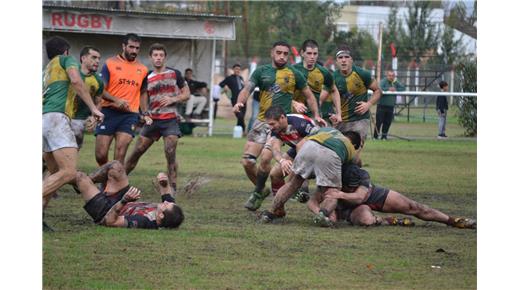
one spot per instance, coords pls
(301, 196)
(395, 221)
(255, 200)
(323, 221)
(464, 223)
(266, 217)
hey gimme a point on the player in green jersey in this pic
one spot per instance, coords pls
(61, 82)
(319, 79)
(277, 83)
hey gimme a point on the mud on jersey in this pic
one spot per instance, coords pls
(58, 93)
(334, 140)
(352, 89)
(140, 215)
(277, 87)
(167, 83)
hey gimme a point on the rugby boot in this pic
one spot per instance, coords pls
(266, 217)
(395, 221)
(301, 196)
(255, 200)
(464, 223)
(322, 220)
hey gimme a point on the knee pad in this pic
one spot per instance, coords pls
(248, 158)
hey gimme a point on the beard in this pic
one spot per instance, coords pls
(130, 56)
(279, 65)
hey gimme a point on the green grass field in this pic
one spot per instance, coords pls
(220, 245)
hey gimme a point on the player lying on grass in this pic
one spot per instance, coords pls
(116, 206)
(359, 198)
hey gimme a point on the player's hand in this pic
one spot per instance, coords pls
(147, 120)
(98, 115)
(361, 108)
(90, 124)
(335, 194)
(286, 165)
(237, 107)
(299, 107)
(132, 194)
(320, 121)
(335, 118)
(166, 101)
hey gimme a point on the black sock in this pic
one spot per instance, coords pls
(261, 178)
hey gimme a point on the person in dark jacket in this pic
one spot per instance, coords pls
(442, 110)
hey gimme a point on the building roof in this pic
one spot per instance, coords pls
(145, 13)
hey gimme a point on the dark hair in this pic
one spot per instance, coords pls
(281, 43)
(236, 64)
(187, 70)
(172, 218)
(309, 43)
(157, 46)
(86, 50)
(443, 84)
(132, 37)
(274, 113)
(56, 46)
(352, 175)
(354, 138)
(343, 47)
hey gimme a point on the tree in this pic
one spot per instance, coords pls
(467, 115)
(362, 45)
(421, 36)
(281, 20)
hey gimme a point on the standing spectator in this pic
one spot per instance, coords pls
(235, 83)
(124, 95)
(198, 97)
(61, 82)
(385, 107)
(442, 110)
(165, 87)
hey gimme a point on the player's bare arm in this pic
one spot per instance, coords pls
(112, 218)
(242, 96)
(311, 101)
(80, 88)
(363, 107)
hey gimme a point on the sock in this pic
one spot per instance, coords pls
(261, 178)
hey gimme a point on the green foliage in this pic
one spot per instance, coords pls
(421, 35)
(468, 105)
(361, 43)
(265, 22)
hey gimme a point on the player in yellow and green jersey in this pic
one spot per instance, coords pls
(61, 82)
(277, 83)
(89, 59)
(319, 80)
(353, 84)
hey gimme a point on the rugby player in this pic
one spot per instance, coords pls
(165, 88)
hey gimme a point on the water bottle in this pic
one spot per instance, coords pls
(237, 132)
